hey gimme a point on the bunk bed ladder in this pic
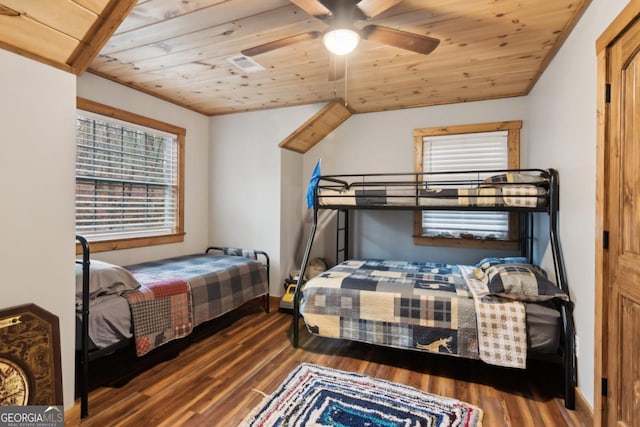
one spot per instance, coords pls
(303, 269)
(526, 235)
(342, 236)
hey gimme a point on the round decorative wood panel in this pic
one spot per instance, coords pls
(30, 368)
(14, 384)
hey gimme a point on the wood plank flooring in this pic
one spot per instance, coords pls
(217, 380)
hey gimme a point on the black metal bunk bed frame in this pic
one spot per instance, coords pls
(85, 355)
(443, 179)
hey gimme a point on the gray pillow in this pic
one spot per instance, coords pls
(104, 279)
(522, 282)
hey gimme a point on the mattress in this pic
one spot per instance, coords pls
(543, 328)
(109, 322)
(509, 190)
(217, 284)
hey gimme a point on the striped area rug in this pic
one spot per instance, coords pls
(318, 396)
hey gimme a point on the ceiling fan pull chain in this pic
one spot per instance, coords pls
(346, 79)
(335, 72)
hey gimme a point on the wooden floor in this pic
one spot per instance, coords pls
(217, 380)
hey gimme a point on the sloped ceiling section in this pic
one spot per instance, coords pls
(317, 127)
(66, 34)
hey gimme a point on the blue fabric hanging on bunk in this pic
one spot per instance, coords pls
(313, 183)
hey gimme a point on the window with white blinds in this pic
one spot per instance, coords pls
(127, 180)
(463, 152)
(476, 147)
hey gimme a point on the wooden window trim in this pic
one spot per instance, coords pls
(513, 145)
(137, 242)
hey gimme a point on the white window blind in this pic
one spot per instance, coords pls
(126, 179)
(462, 152)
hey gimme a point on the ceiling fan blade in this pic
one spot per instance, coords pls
(277, 44)
(371, 8)
(313, 8)
(7, 11)
(336, 67)
(402, 39)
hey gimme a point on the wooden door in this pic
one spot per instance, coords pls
(622, 204)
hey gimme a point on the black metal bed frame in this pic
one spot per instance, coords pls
(421, 181)
(87, 356)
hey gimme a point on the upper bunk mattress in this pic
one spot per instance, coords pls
(509, 190)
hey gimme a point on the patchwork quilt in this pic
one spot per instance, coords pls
(499, 293)
(502, 327)
(160, 312)
(422, 306)
(440, 308)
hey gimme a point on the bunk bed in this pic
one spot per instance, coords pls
(145, 306)
(440, 308)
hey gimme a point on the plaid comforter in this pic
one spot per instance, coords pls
(422, 306)
(215, 285)
(499, 294)
(160, 312)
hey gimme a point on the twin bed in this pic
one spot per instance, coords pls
(150, 304)
(499, 310)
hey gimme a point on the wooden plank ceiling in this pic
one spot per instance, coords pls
(488, 49)
(178, 49)
(66, 34)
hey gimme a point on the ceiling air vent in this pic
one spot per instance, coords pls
(244, 63)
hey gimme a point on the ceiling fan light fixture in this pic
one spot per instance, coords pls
(341, 41)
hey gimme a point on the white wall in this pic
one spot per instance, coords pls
(562, 134)
(247, 173)
(383, 142)
(196, 206)
(292, 235)
(37, 117)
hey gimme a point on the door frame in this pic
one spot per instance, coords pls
(629, 15)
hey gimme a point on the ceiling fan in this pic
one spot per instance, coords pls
(342, 36)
